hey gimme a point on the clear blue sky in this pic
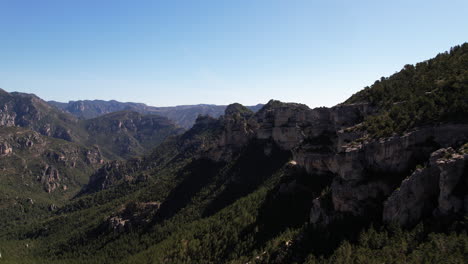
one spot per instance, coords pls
(187, 52)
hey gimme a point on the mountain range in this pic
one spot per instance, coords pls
(379, 178)
(182, 115)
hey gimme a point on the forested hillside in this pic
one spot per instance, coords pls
(428, 92)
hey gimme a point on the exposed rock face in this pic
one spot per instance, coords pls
(5, 149)
(28, 110)
(287, 124)
(368, 173)
(281, 122)
(453, 182)
(438, 189)
(118, 224)
(236, 132)
(93, 156)
(50, 178)
(133, 214)
(7, 118)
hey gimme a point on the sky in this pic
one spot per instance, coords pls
(176, 52)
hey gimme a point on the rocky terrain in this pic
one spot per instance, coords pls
(39, 173)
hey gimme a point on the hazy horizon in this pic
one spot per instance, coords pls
(213, 52)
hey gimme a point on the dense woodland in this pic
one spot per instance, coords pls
(426, 93)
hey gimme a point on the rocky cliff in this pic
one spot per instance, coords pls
(289, 125)
(437, 189)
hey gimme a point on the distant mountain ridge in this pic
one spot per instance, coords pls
(182, 115)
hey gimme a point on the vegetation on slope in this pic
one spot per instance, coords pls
(429, 92)
(126, 134)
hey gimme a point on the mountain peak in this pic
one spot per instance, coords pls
(237, 108)
(274, 104)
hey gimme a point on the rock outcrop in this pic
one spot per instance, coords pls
(289, 125)
(29, 111)
(438, 189)
(133, 214)
(5, 149)
(50, 178)
(366, 174)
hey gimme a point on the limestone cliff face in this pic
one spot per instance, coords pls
(366, 174)
(437, 189)
(234, 132)
(289, 125)
(7, 117)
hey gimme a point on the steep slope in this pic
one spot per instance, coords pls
(127, 134)
(183, 115)
(428, 92)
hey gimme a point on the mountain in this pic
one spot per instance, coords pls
(46, 155)
(352, 183)
(119, 135)
(28, 110)
(183, 115)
